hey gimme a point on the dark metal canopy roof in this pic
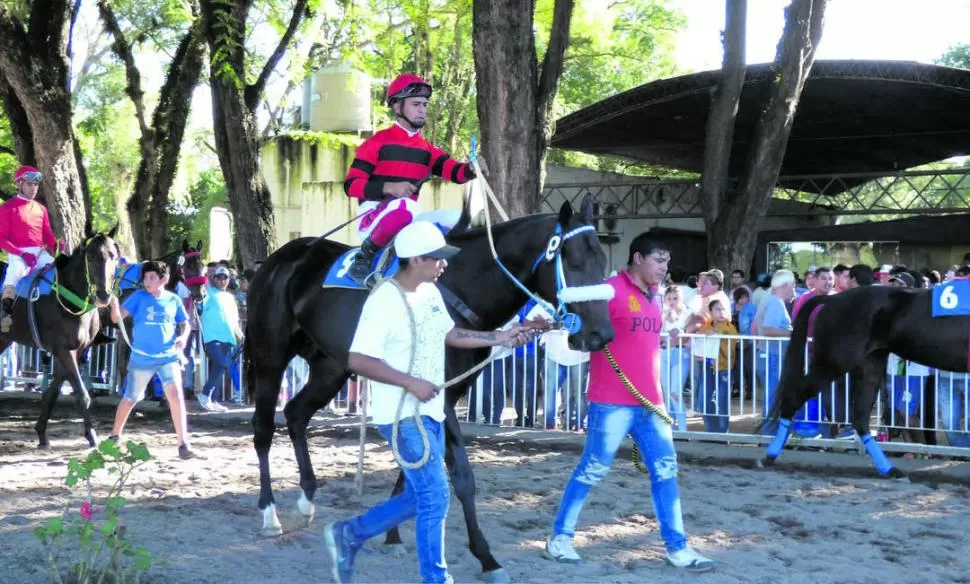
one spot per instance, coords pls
(854, 116)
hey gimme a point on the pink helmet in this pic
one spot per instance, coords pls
(28, 174)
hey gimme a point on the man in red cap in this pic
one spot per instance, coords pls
(26, 236)
(389, 168)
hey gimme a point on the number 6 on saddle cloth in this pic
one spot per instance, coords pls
(952, 298)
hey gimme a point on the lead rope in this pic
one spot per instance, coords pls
(359, 481)
(653, 408)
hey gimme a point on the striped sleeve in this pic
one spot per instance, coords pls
(359, 184)
(449, 169)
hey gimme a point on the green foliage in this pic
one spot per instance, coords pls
(956, 56)
(190, 219)
(108, 134)
(325, 139)
(91, 541)
(8, 160)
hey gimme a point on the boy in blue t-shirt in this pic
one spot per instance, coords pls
(159, 334)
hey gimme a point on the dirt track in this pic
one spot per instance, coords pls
(760, 526)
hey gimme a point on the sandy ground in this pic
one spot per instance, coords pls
(760, 526)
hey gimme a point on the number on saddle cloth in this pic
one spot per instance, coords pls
(44, 285)
(951, 299)
(338, 276)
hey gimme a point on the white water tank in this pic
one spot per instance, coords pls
(340, 100)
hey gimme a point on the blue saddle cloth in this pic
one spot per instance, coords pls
(45, 285)
(129, 278)
(338, 276)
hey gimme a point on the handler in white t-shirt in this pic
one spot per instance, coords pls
(384, 345)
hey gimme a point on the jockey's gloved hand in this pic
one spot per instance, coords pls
(30, 260)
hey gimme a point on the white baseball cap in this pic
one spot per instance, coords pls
(423, 238)
(222, 271)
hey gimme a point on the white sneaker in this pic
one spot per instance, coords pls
(206, 403)
(559, 548)
(690, 560)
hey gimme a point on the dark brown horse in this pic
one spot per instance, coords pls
(853, 334)
(66, 321)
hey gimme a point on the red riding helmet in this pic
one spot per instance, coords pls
(407, 85)
(27, 174)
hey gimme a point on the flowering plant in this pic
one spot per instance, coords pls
(92, 540)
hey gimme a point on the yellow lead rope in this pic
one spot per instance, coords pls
(637, 456)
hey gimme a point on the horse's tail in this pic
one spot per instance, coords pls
(248, 374)
(793, 367)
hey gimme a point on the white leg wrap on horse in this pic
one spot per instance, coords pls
(306, 508)
(271, 523)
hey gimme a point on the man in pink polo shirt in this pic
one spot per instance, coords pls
(614, 412)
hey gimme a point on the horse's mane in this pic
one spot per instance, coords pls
(479, 232)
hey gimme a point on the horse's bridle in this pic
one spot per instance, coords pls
(565, 294)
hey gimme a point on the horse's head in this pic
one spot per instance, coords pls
(193, 270)
(571, 271)
(101, 257)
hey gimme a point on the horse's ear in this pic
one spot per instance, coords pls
(586, 209)
(185, 245)
(565, 213)
(113, 232)
(198, 246)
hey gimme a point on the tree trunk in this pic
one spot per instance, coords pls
(515, 97)
(35, 63)
(234, 120)
(161, 142)
(23, 139)
(734, 233)
(724, 110)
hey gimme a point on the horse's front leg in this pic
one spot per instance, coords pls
(463, 480)
(392, 540)
(66, 366)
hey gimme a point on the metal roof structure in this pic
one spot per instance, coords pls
(853, 117)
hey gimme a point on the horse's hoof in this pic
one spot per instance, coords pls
(765, 462)
(395, 550)
(271, 531)
(306, 508)
(897, 475)
(43, 445)
(92, 438)
(271, 523)
(499, 576)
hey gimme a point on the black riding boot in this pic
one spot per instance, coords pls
(6, 318)
(361, 268)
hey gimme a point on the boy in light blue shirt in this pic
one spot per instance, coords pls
(159, 334)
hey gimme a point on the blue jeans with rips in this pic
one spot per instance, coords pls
(608, 425)
(425, 498)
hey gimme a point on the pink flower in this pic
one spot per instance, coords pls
(87, 511)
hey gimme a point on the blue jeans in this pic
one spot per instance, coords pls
(674, 371)
(715, 393)
(768, 369)
(495, 376)
(951, 396)
(608, 425)
(425, 498)
(572, 380)
(524, 389)
(220, 359)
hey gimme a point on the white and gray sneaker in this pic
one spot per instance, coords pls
(690, 560)
(559, 548)
(207, 404)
